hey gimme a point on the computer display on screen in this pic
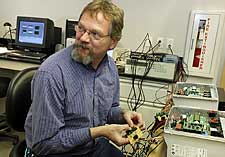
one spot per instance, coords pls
(31, 32)
(35, 33)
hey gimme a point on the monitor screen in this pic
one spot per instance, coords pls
(35, 33)
(31, 32)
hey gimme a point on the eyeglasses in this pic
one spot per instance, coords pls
(92, 35)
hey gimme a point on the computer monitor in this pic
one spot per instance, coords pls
(35, 34)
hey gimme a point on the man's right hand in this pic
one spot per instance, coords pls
(113, 132)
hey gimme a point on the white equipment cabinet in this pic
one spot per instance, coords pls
(189, 141)
(198, 95)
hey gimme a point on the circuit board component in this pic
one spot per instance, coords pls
(134, 134)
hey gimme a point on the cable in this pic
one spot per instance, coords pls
(132, 90)
(155, 46)
(120, 56)
(138, 98)
(143, 42)
(157, 98)
(148, 67)
(12, 32)
(150, 140)
(170, 48)
(182, 71)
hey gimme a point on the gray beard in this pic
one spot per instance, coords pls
(77, 57)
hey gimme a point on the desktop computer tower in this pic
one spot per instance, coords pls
(70, 32)
(58, 35)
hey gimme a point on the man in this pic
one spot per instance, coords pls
(75, 92)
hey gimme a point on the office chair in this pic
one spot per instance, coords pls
(18, 101)
(4, 128)
(4, 83)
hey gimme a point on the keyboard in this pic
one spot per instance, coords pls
(29, 55)
(23, 56)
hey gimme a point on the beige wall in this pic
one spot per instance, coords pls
(161, 18)
(222, 83)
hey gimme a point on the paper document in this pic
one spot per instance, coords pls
(4, 50)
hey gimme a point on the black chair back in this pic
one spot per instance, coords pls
(18, 98)
(4, 83)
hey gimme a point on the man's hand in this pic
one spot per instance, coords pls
(133, 118)
(113, 132)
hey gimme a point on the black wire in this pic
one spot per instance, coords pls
(142, 147)
(120, 56)
(182, 73)
(130, 98)
(152, 48)
(140, 83)
(143, 41)
(185, 72)
(136, 97)
(169, 46)
(147, 69)
(141, 97)
(12, 31)
(157, 98)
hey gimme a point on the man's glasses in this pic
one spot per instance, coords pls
(92, 35)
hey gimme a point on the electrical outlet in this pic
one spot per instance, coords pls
(170, 42)
(161, 40)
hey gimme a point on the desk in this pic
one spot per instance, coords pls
(8, 68)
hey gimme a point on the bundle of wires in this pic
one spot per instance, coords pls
(182, 72)
(136, 97)
(151, 139)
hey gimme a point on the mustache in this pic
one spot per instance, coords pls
(81, 46)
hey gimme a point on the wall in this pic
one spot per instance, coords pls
(222, 82)
(161, 18)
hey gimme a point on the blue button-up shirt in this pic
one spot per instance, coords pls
(68, 98)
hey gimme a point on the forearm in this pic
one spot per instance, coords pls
(63, 141)
(112, 132)
(98, 131)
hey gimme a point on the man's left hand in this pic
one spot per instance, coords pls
(134, 118)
